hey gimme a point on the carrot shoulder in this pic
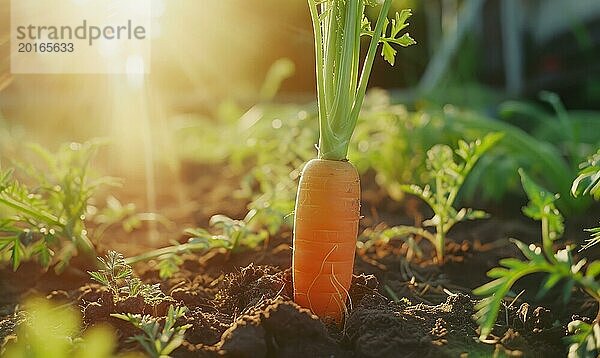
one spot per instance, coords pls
(325, 230)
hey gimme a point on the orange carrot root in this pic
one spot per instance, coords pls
(325, 230)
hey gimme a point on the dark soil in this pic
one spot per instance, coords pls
(240, 306)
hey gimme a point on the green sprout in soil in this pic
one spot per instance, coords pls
(157, 341)
(584, 341)
(585, 336)
(559, 266)
(447, 177)
(46, 219)
(589, 179)
(117, 275)
(233, 236)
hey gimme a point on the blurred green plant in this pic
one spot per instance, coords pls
(156, 341)
(50, 331)
(280, 70)
(115, 213)
(559, 266)
(46, 218)
(392, 142)
(232, 235)
(126, 216)
(264, 154)
(117, 275)
(573, 134)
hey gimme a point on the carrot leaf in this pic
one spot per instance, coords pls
(341, 83)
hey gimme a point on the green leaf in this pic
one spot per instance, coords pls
(492, 287)
(388, 53)
(6, 243)
(497, 272)
(168, 266)
(593, 269)
(584, 339)
(588, 178)
(5, 179)
(18, 251)
(155, 341)
(99, 277)
(398, 24)
(538, 196)
(541, 205)
(487, 311)
(512, 263)
(43, 253)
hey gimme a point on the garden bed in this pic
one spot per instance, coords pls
(240, 304)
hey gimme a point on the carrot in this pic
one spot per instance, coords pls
(326, 218)
(328, 201)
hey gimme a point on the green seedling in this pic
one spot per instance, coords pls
(559, 266)
(447, 176)
(46, 218)
(117, 275)
(156, 341)
(233, 236)
(584, 341)
(589, 180)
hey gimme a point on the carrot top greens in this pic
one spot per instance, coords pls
(338, 26)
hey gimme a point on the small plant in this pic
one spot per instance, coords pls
(559, 266)
(234, 235)
(447, 177)
(584, 341)
(158, 342)
(125, 216)
(585, 336)
(49, 331)
(589, 179)
(46, 219)
(117, 275)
